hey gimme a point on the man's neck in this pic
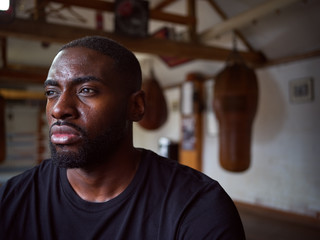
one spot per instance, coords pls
(105, 181)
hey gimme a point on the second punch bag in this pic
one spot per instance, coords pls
(235, 105)
(156, 112)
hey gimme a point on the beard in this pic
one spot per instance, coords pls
(92, 152)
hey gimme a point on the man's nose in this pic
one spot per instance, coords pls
(65, 107)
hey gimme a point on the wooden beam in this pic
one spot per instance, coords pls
(28, 68)
(49, 32)
(273, 223)
(173, 18)
(192, 28)
(10, 94)
(161, 5)
(39, 10)
(225, 17)
(245, 18)
(9, 75)
(3, 51)
(109, 7)
(2, 129)
(92, 4)
(298, 57)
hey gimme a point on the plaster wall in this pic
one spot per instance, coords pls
(285, 152)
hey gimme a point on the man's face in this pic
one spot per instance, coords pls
(86, 110)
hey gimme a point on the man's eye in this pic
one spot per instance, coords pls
(49, 93)
(87, 91)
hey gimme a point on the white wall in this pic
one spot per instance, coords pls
(285, 153)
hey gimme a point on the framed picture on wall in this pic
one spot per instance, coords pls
(301, 90)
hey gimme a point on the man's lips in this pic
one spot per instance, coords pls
(64, 135)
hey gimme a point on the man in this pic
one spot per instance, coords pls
(97, 185)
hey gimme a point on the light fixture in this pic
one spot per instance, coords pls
(4, 5)
(7, 11)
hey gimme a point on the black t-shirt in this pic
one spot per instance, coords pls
(164, 201)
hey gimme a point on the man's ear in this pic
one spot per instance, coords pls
(136, 106)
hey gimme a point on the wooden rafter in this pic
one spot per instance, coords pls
(13, 75)
(161, 5)
(92, 4)
(58, 33)
(245, 18)
(298, 57)
(61, 34)
(4, 51)
(28, 68)
(225, 17)
(39, 10)
(10, 94)
(192, 28)
(109, 7)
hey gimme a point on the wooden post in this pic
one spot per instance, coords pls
(39, 10)
(2, 130)
(190, 153)
(192, 14)
(3, 52)
(41, 137)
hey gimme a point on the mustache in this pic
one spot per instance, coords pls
(65, 123)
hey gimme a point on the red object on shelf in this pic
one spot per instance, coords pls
(99, 20)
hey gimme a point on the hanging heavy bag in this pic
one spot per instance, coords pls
(156, 112)
(235, 105)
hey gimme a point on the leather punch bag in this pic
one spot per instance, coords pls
(235, 105)
(156, 112)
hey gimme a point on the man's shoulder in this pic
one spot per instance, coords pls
(34, 176)
(43, 168)
(200, 202)
(173, 166)
(176, 174)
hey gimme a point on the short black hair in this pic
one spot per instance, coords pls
(125, 62)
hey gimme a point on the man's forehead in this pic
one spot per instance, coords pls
(79, 54)
(83, 60)
(74, 81)
(84, 64)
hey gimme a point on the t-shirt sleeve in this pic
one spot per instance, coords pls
(211, 215)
